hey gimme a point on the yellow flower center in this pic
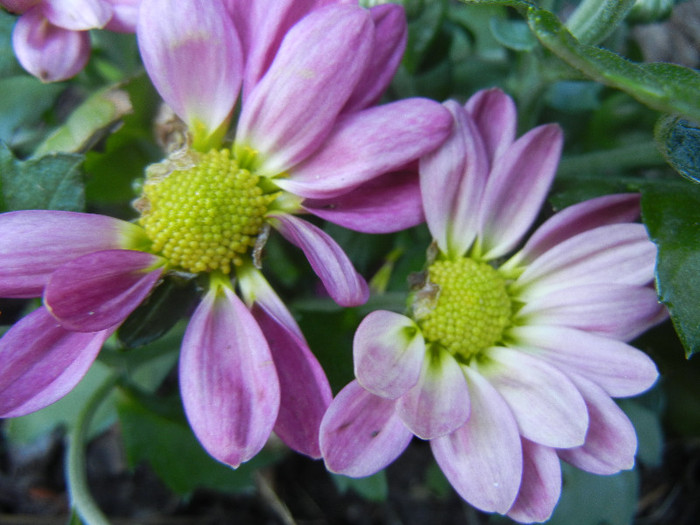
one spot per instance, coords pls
(463, 306)
(202, 212)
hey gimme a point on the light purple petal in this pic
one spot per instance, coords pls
(545, 403)
(611, 442)
(34, 243)
(42, 362)
(618, 253)
(617, 311)
(48, 52)
(439, 403)
(18, 6)
(361, 434)
(328, 260)
(496, 119)
(517, 186)
(294, 106)
(385, 204)
(99, 290)
(228, 380)
(452, 180)
(483, 459)
(194, 59)
(304, 390)
(541, 485)
(388, 351)
(125, 15)
(77, 15)
(618, 368)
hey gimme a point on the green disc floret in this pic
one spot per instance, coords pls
(469, 307)
(204, 217)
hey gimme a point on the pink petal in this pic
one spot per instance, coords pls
(343, 283)
(618, 368)
(517, 186)
(611, 442)
(228, 380)
(388, 351)
(361, 434)
(541, 485)
(293, 108)
(125, 15)
(18, 6)
(48, 52)
(42, 362)
(385, 204)
(545, 403)
(34, 243)
(496, 119)
(100, 290)
(194, 59)
(77, 15)
(439, 403)
(483, 459)
(304, 390)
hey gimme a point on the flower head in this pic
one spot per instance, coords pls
(505, 365)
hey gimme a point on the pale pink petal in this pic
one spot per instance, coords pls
(617, 311)
(496, 119)
(361, 434)
(517, 186)
(125, 15)
(611, 442)
(42, 362)
(77, 15)
(228, 380)
(34, 243)
(304, 390)
(439, 403)
(452, 180)
(483, 459)
(48, 52)
(193, 57)
(388, 351)
(618, 368)
(293, 108)
(541, 485)
(101, 289)
(385, 204)
(545, 403)
(18, 6)
(328, 260)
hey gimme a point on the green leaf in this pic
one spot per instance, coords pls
(513, 34)
(672, 216)
(53, 182)
(679, 141)
(8, 63)
(594, 20)
(373, 488)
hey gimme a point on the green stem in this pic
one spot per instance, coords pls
(640, 155)
(80, 497)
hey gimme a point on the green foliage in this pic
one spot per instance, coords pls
(373, 488)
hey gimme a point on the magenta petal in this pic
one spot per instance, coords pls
(34, 243)
(77, 15)
(388, 351)
(48, 52)
(304, 390)
(541, 485)
(193, 56)
(483, 458)
(611, 442)
(328, 260)
(517, 186)
(296, 103)
(496, 118)
(439, 403)
(42, 362)
(360, 433)
(228, 380)
(99, 290)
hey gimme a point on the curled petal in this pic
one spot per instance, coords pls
(228, 380)
(360, 433)
(100, 290)
(77, 15)
(388, 351)
(49, 52)
(328, 260)
(496, 119)
(42, 362)
(34, 243)
(483, 459)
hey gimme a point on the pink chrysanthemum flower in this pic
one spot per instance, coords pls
(51, 38)
(245, 368)
(505, 365)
